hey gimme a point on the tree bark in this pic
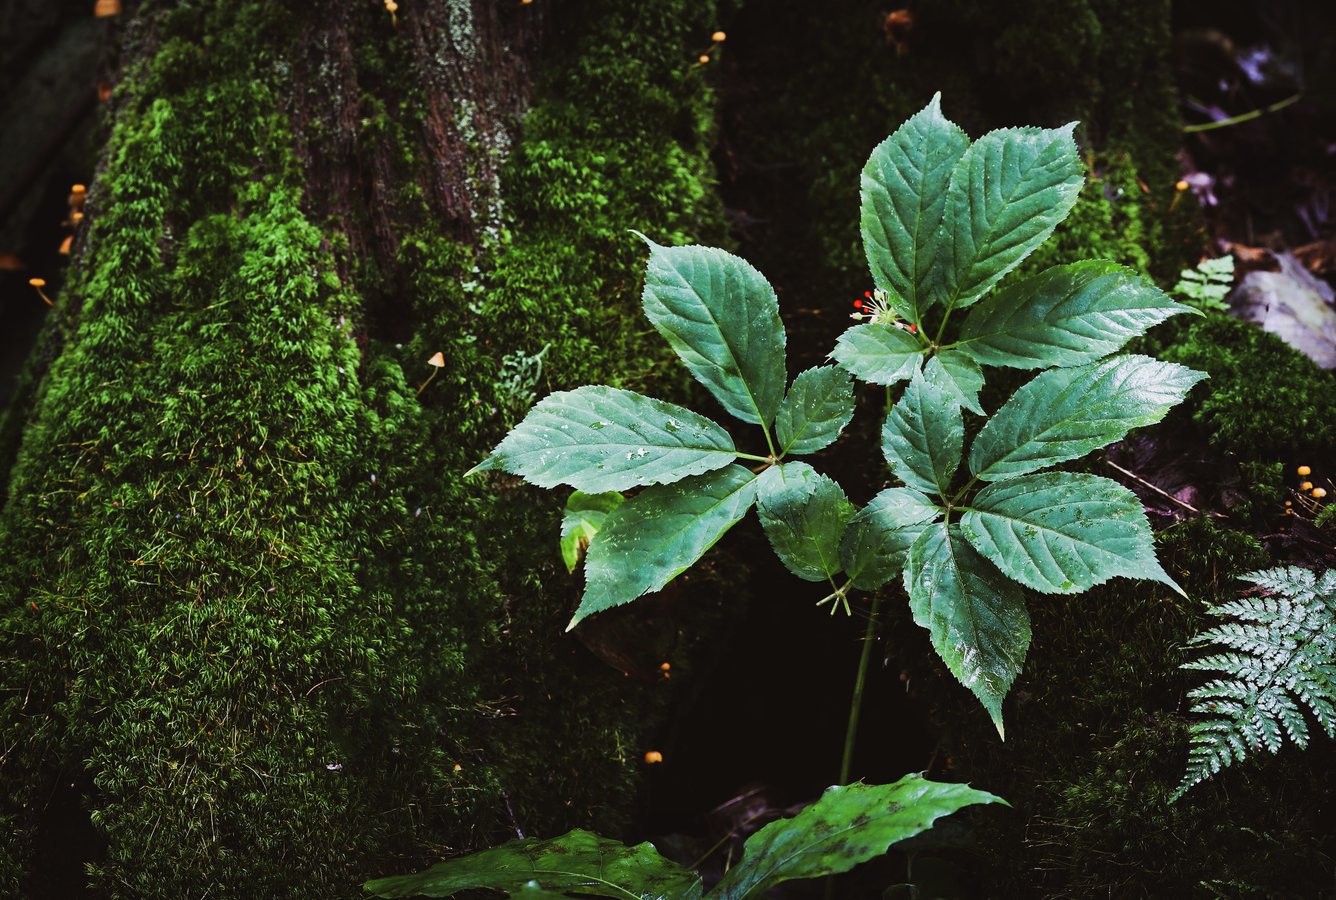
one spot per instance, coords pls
(258, 637)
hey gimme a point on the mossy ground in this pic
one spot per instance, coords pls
(254, 618)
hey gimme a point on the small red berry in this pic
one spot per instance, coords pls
(867, 294)
(912, 328)
(858, 304)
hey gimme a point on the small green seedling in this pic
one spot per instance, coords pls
(943, 221)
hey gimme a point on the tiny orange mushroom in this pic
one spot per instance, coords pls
(652, 757)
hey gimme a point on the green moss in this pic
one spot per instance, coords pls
(1097, 739)
(248, 600)
(1265, 401)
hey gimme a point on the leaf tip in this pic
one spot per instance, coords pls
(488, 464)
(651, 244)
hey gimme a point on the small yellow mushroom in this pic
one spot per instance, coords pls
(718, 37)
(664, 667)
(1181, 186)
(437, 362)
(37, 285)
(704, 58)
(66, 244)
(1306, 486)
(105, 9)
(652, 757)
(1304, 470)
(1319, 492)
(458, 767)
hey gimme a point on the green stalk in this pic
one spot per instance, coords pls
(856, 704)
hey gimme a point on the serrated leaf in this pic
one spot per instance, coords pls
(877, 540)
(804, 515)
(598, 439)
(1063, 532)
(975, 616)
(1065, 413)
(1065, 316)
(583, 517)
(721, 317)
(958, 375)
(923, 437)
(877, 353)
(903, 193)
(578, 862)
(1008, 192)
(850, 824)
(656, 535)
(817, 408)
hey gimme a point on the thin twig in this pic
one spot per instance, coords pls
(1162, 492)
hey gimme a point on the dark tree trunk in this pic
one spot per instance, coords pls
(258, 637)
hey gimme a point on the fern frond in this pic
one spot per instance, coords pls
(1275, 657)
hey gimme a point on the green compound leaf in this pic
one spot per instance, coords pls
(598, 439)
(877, 540)
(804, 515)
(923, 436)
(818, 407)
(1065, 316)
(976, 617)
(579, 862)
(903, 190)
(1008, 192)
(879, 354)
(582, 519)
(722, 318)
(850, 824)
(1063, 532)
(1065, 413)
(957, 374)
(656, 535)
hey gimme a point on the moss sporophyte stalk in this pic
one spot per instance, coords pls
(940, 235)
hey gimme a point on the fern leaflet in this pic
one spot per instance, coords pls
(1276, 655)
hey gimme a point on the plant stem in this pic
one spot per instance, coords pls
(768, 442)
(856, 704)
(1243, 117)
(764, 459)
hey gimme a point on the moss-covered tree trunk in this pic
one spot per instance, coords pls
(258, 638)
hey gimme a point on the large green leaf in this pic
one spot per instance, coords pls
(923, 436)
(722, 318)
(1065, 413)
(903, 189)
(975, 616)
(1008, 192)
(958, 375)
(817, 408)
(579, 862)
(1065, 316)
(583, 517)
(657, 534)
(598, 439)
(877, 353)
(850, 824)
(878, 538)
(1063, 532)
(804, 515)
